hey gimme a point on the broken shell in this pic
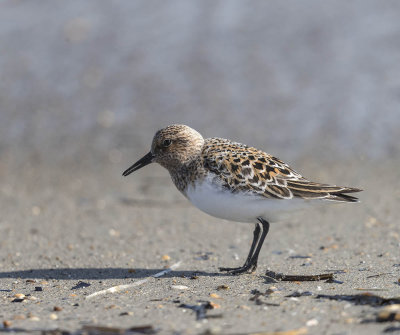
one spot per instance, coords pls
(214, 305)
(53, 316)
(34, 318)
(179, 287)
(215, 296)
(19, 295)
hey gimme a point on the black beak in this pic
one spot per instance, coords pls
(139, 164)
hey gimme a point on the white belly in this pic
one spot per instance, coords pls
(240, 207)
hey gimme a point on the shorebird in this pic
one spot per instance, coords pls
(233, 181)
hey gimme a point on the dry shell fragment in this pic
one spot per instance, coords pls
(215, 296)
(179, 287)
(53, 316)
(34, 318)
(213, 305)
(19, 295)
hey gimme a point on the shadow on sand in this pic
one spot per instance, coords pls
(99, 273)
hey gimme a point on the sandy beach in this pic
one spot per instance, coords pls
(84, 88)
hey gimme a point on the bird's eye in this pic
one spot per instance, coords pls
(166, 143)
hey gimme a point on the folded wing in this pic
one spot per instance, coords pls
(245, 169)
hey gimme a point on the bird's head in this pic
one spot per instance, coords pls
(172, 147)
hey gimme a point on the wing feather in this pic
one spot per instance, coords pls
(246, 169)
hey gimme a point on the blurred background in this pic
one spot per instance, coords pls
(92, 81)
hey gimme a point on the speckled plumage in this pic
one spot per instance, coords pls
(235, 167)
(241, 168)
(234, 181)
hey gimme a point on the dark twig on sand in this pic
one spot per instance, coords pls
(282, 277)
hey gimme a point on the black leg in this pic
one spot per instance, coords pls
(256, 235)
(251, 262)
(254, 259)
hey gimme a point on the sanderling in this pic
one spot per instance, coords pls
(235, 182)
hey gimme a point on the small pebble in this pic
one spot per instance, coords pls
(312, 322)
(36, 210)
(223, 287)
(34, 318)
(19, 295)
(389, 313)
(53, 316)
(165, 257)
(125, 313)
(80, 284)
(57, 309)
(7, 324)
(114, 233)
(179, 287)
(269, 291)
(30, 281)
(214, 305)
(215, 296)
(38, 288)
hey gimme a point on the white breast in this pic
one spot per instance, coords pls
(240, 207)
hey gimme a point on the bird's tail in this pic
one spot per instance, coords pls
(309, 190)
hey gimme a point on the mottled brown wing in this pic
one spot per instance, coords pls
(246, 169)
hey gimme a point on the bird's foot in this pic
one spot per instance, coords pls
(247, 268)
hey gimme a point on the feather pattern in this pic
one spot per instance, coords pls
(241, 168)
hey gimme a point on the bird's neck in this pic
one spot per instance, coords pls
(186, 174)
